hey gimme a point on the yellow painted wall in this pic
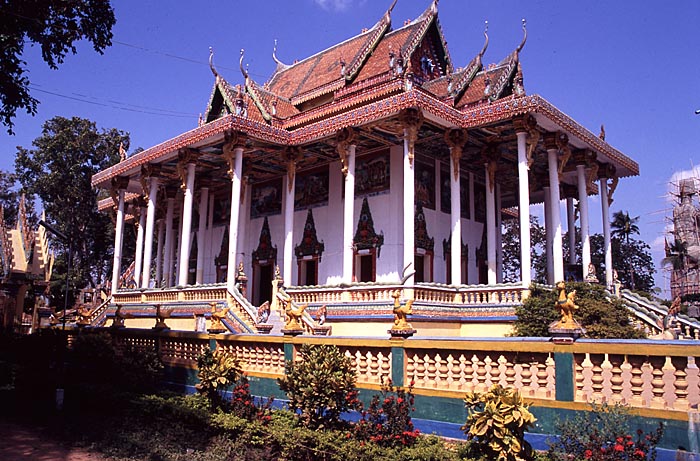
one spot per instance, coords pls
(426, 329)
(146, 323)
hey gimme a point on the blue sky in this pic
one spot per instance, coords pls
(630, 65)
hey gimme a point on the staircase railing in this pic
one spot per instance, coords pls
(690, 327)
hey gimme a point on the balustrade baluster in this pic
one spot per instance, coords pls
(693, 379)
(587, 373)
(669, 379)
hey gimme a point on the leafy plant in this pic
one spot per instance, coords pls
(497, 423)
(601, 315)
(243, 403)
(603, 433)
(387, 421)
(320, 385)
(218, 370)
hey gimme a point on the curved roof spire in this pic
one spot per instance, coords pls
(522, 44)
(279, 63)
(387, 15)
(486, 41)
(211, 62)
(240, 64)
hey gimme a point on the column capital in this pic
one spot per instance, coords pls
(171, 192)
(185, 157)
(120, 182)
(456, 139)
(234, 139)
(291, 155)
(583, 157)
(411, 119)
(551, 141)
(524, 123)
(490, 155)
(345, 138)
(606, 170)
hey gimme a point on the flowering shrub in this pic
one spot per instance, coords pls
(387, 421)
(243, 403)
(623, 448)
(603, 434)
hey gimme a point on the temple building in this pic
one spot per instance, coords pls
(343, 170)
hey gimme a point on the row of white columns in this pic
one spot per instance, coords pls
(145, 233)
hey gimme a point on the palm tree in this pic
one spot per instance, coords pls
(677, 258)
(624, 226)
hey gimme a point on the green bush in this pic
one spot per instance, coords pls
(497, 423)
(387, 421)
(599, 314)
(217, 372)
(602, 434)
(320, 386)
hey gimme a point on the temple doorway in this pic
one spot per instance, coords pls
(262, 283)
(365, 266)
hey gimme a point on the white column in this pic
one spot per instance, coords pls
(288, 229)
(499, 236)
(571, 228)
(209, 243)
(583, 209)
(490, 228)
(548, 234)
(168, 256)
(203, 203)
(409, 209)
(456, 220)
(607, 245)
(557, 250)
(243, 220)
(233, 223)
(348, 214)
(150, 227)
(159, 253)
(138, 257)
(183, 261)
(118, 239)
(524, 210)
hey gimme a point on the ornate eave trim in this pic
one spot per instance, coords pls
(471, 117)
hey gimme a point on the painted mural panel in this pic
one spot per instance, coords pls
(424, 181)
(372, 175)
(311, 190)
(446, 197)
(266, 199)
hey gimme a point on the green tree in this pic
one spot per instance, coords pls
(623, 225)
(321, 386)
(600, 315)
(53, 25)
(511, 250)
(58, 170)
(631, 258)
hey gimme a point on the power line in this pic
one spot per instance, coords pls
(116, 104)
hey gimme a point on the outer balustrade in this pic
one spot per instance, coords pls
(646, 375)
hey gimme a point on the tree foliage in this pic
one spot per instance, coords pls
(511, 250)
(601, 315)
(58, 170)
(623, 225)
(631, 259)
(321, 386)
(55, 26)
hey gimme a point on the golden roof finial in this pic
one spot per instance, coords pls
(522, 44)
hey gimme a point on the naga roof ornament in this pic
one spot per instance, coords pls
(468, 74)
(522, 44)
(280, 64)
(244, 71)
(211, 62)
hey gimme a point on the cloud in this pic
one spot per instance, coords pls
(334, 5)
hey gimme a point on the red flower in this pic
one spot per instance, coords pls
(587, 454)
(618, 447)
